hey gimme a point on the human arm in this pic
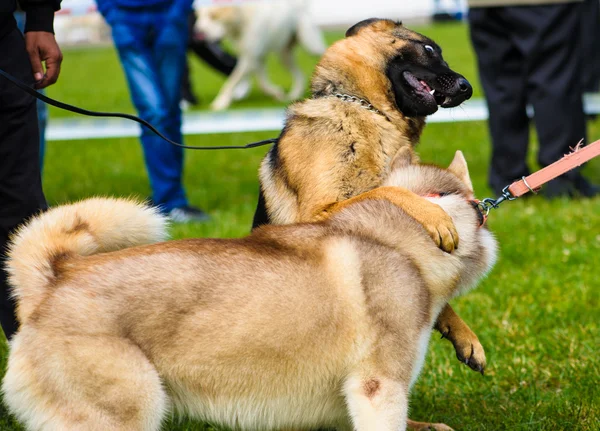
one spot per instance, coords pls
(39, 40)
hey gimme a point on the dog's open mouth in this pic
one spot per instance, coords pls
(424, 90)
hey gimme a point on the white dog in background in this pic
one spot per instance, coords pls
(256, 29)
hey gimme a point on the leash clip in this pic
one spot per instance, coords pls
(488, 203)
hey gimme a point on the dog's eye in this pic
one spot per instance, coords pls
(429, 49)
(445, 194)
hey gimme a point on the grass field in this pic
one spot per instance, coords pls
(537, 315)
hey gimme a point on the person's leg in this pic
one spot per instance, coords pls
(187, 91)
(42, 109)
(21, 193)
(169, 56)
(590, 35)
(556, 90)
(554, 62)
(164, 162)
(168, 53)
(42, 114)
(503, 79)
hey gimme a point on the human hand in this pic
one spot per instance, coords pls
(42, 48)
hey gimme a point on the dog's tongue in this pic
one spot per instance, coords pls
(419, 85)
(424, 84)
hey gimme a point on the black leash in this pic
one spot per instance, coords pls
(81, 111)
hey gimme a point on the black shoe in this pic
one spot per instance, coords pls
(572, 187)
(188, 214)
(558, 188)
(585, 188)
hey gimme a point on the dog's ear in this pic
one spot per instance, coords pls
(387, 24)
(459, 167)
(356, 27)
(404, 157)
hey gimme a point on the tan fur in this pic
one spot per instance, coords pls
(86, 228)
(293, 327)
(331, 151)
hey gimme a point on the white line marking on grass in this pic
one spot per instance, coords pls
(245, 120)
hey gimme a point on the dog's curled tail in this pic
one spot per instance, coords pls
(84, 228)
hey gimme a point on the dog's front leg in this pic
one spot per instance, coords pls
(376, 403)
(242, 70)
(432, 217)
(468, 348)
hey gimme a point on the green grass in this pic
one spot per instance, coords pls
(537, 314)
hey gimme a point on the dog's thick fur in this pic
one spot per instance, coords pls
(299, 326)
(257, 29)
(331, 150)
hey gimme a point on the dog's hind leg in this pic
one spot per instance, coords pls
(376, 403)
(298, 79)
(58, 381)
(266, 85)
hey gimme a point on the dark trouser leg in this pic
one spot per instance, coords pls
(502, 73)
(590, 36)
(20, 181)
(555, 67)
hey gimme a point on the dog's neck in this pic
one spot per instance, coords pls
(446, 275)
(375, 92)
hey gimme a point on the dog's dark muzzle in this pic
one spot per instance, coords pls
(455, 88)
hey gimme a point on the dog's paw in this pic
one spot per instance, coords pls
(439, 427)
(469, 351)
(423, 426)
(219, 105)
(242, 90)
(439, 225)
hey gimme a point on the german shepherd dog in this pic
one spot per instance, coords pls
(301, 326)
(333, 149)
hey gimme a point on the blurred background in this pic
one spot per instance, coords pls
(78, 21)
(536, 315)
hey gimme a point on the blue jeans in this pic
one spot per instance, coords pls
(152, 49)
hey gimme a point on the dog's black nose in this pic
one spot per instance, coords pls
(464, 85)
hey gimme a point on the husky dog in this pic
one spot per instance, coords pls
(301, 326)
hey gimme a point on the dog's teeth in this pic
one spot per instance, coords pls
(431, 92)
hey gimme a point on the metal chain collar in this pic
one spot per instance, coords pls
(362, 102)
